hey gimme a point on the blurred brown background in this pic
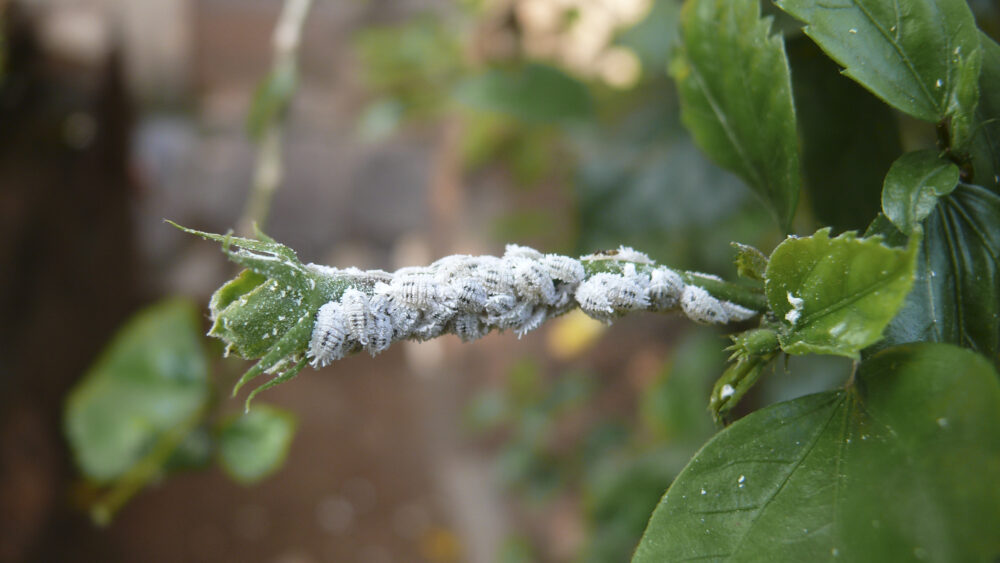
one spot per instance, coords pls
(116, 115)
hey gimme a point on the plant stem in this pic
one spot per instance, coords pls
(145, 470)
(739, 294)
(269, 169)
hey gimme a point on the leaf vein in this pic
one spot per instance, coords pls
(726, 127)
(788, 475)
(902, 54)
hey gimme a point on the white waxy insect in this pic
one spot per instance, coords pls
(606, 295)
(701, 307)
(380, 332)
(515, 318)
(593, 298)
(329, 335)
(404, 319)
(427, 329)
(533, 282)
(469, 327)
(496, 276)
(470, 295)
(517, 251)
(355, 307)
(499, 305)
(629, 254)
(419, 290)
(455, 266)
(628, 295)
(564, 268)
(411, 271)
(534, 321)
(665, 288)
(439, 313)
(627, 292)
(736, 312)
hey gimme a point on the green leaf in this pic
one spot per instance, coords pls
(956, 295)
(849, 139)
(254, 445)
(750, 262)
(985, 149)
(151, 379)
(913, 185)
(920, 56)
(736, 97)
(901, 466)
(532, 93)
(835, 296)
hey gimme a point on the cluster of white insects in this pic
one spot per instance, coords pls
(471, 295)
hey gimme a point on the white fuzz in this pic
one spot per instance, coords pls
(665, 288)
(471, 295)
(736, 312)
(564, 268)
(793, 314)
(701, 307)
(629, 254)
(329, 334)
(355, 307)
(533, 281)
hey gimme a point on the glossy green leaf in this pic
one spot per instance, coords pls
(985, 149)
(254, 445)
(913, 185)
(900, 466)
(836, 295)
(150, 379)
(736, 97)
(956, 295)
(920, 56)
(532, 92)
(849, 139)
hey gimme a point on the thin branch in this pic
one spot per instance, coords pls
(269, 168)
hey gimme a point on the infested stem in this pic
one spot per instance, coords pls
(744, 296)
(286, 312)
(741, 295)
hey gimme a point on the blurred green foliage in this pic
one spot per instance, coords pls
(254, 444)
(559, 440)
(412, 65)
(144, 409)
(531, 93)
(151, 379)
